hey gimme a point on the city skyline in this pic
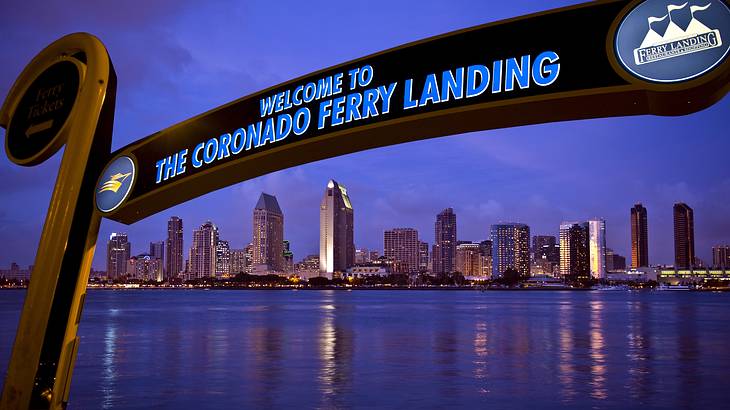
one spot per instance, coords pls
(578, 251)
(541, 175)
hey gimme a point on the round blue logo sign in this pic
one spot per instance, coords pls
(671, 41)
(115, 184)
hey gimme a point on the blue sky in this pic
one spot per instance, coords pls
(175, 59)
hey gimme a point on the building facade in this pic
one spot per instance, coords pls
(118, 252)
(238, 261)
(469, 259)
(222, 259)
(336, 230)
(574, 250)
(444, 247)
(597, 248)
(639, 237)
(202, 251)
(684, 236)
(402, 246)
(268, 233)
(174, 249)
(721, 256)
(510, 248)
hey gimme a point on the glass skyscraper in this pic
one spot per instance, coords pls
(336, 230)
(510, 248)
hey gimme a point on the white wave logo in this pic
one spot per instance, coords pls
(676, 42)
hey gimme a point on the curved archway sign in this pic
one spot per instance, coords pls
(600, 59)
(610, 58)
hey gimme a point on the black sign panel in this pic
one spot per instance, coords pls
(42, 113)
(552, 66)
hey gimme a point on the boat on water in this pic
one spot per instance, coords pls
(664, 286)
(623, 288)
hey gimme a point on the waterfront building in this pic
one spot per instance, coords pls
(336, 230)
(545, 249)
(614, 261)
(639, 237)
(222, 259)
(174, 249)
(721, 256)
(238, 261)
(118, 252)
(423, 256)
(367, 270)
(402, 246)
(485, 248)
(684, 236)
(469, 259)
(249, 257)
(202, 251)
(15, 273)
(597, 248)
(288, 258)
(444, 248)
(574, 250)
(687, 276)
(374, 255)
(268, 233)
(144, 267)
(157, 251)
(362, 256)
(510, 248)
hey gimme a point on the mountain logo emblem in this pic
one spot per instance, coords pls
(672, 42)
(675, 41)
(115, 184)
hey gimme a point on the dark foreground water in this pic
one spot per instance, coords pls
(396, 349)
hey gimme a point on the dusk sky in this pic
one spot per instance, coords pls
(176, 59)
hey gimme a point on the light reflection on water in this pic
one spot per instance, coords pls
(393, 349)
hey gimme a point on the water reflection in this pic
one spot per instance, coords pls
(597, 351)
(336, 349)
(265, 345)
(566, 366)
(690, 377)
(109, 359)
(638, 385)
(481, 351)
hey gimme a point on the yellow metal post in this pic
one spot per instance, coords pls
(39, 372)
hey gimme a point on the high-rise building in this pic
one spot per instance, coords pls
(238, 261)
(721, 256)
(288, 258)
(268, 233)
(597, 248)
(374, 255)
(222, 259)
(336, 230)
(144, 267)
(249, 257)
(485, 247)
(362, 256)
(684, 236)
(614, 261)
(157, 251)
(174, 256)
(574, 250)
(202, 252)
(444, 248)
(545, 248)
(401, 245)
(423, 255)
(510, 248)
(118, 252)
(469, 259)
(639, 237)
